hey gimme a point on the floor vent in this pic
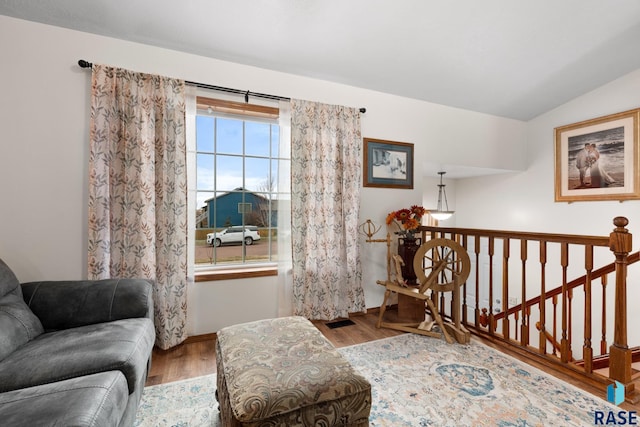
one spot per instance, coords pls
(339, 323)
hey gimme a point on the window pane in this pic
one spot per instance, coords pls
(274, 172)
(223, 208)
(275, 141)
(204, 133)
(260, 211)
(229, 136)
(257, 139)
(204, 171)
(202, 198)
(257, 174)
(228, 173)
(279, 166)
(202, 216)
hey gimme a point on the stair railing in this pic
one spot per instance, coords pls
(544, 315)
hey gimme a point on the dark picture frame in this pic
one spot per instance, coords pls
(388, 164)
(598, 159)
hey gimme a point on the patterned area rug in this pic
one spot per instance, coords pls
(416, 381)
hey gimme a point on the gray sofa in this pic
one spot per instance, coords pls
(73, 353)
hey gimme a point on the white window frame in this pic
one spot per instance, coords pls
(210, 272)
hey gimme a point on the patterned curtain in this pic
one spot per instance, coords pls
(138, 189)
(326, 175)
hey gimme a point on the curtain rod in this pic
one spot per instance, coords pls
(86, 64)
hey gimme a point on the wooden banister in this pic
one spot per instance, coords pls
(516, 235)
(580, 281)
(555, 311)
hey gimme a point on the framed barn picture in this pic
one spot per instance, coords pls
(388, 164)
(598, 159)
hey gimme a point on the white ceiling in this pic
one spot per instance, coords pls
(511, 58)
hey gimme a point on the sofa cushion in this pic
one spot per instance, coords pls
(18, 325)
(67, 304)
(123, 345)
(92, 400)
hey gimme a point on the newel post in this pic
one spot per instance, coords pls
(619, 352)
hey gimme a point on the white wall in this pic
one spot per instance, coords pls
(525, 200)
(44, 115)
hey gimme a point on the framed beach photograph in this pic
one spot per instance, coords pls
(598, 159)
(388, 164)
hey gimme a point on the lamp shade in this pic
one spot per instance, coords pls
(441, 214)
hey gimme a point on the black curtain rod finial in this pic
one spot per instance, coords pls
(85, 64)
(363, 110)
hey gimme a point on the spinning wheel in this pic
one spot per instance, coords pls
(441, 265)
(446, 262)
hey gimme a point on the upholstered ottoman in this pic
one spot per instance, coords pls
(284, 372)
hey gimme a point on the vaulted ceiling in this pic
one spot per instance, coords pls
(509, 58)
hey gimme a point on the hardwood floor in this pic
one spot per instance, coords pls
(197, 356)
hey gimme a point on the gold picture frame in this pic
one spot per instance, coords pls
(598, 159)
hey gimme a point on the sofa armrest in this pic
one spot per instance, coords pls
(69, 304)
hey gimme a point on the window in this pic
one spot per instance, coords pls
(237, 161)
(244, 208)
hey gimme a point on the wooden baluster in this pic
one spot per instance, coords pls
(443, 300)
(543, 298)
(464, 286)
(620, 353)
(603, 315)
(506, 249)
(452, 302)
(476, 244)
(442, 304)
(528, 320)
(516, 318)
(491, 320)
(570, 323)
(456, 301)
(434, 256)
(524, 328)
(587, 351)
(554, 300)
(564, 342)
